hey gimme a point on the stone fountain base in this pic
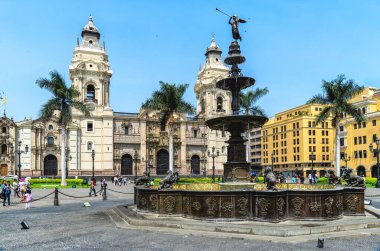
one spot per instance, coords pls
(239, 171)
(209, 201)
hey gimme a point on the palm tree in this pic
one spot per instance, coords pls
(335, 98)
(247, 102)
(64, 100)
(169, 100)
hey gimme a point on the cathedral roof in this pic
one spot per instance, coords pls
(90, 28)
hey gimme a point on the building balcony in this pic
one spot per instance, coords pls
(195, 141)
(122, 138)
(93, 100)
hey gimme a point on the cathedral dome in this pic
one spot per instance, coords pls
(213, 47)
(90, 28)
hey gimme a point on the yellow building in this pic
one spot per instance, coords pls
(356, 138)
(291, 138)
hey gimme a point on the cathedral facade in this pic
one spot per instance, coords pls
(123, 143)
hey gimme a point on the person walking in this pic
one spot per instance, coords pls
(92, 187)
(28, 197)
(3, 188)
(8, 191)
(103, 185)
(16, 188)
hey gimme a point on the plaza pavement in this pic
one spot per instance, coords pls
(71, 226)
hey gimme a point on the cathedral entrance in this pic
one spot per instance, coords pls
(162, 162)
(126, 165)
(50, 166)
(3, 170)
(195, 165)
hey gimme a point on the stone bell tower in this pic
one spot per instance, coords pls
(90, 74)
(213, 102)
(210, 100)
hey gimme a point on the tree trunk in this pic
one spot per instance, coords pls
(171, 168)
(63, 155)
(337, 150)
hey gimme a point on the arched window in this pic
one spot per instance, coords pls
(50, 127)
(50, 141)
(90, 93)
(126, 130)
(363, 110)
(89, 146)
(219, 104)
(4, 130)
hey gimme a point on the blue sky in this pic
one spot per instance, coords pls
(290, 46)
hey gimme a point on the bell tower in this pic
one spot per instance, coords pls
(210, 100)
(90, 74)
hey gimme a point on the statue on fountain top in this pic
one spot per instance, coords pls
(235, 26)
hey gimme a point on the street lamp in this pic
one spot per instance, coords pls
(204, 153)
(213, 155)
(19, 156)
(272, 157)
(93, 161)
(347, 158)
(376, 152)
(136, 156)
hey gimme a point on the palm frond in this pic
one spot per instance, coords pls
(48, 108)
(81, 107)
(324, 114)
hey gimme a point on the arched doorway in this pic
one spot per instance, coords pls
(361, 171)
(374, 171)
(162, 161)
(50, 165)
(3, 170)
(195, 165)
(126, 165)
(3, 149)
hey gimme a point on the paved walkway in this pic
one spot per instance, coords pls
(71, 226)
(119, 192)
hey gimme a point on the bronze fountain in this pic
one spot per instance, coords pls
(259, 202)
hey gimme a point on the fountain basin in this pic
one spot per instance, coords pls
(214, 201)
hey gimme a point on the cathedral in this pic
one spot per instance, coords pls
(119, 143)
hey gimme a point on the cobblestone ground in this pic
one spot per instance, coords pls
(71, 226)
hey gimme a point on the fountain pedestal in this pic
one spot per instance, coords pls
(236, 168)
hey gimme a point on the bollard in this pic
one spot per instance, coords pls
(104, 193)
(321, 241)
(56, 203)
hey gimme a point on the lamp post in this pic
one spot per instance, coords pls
(19, 156)
(346, 158)
(204, 153)
(213, 155)
(376, 152)
(93, 161)
(136, 156)
(272, 157)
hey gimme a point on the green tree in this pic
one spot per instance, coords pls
(169, 100)
(248, 107)
(248, 99)
(335, 97)
(64, 100)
